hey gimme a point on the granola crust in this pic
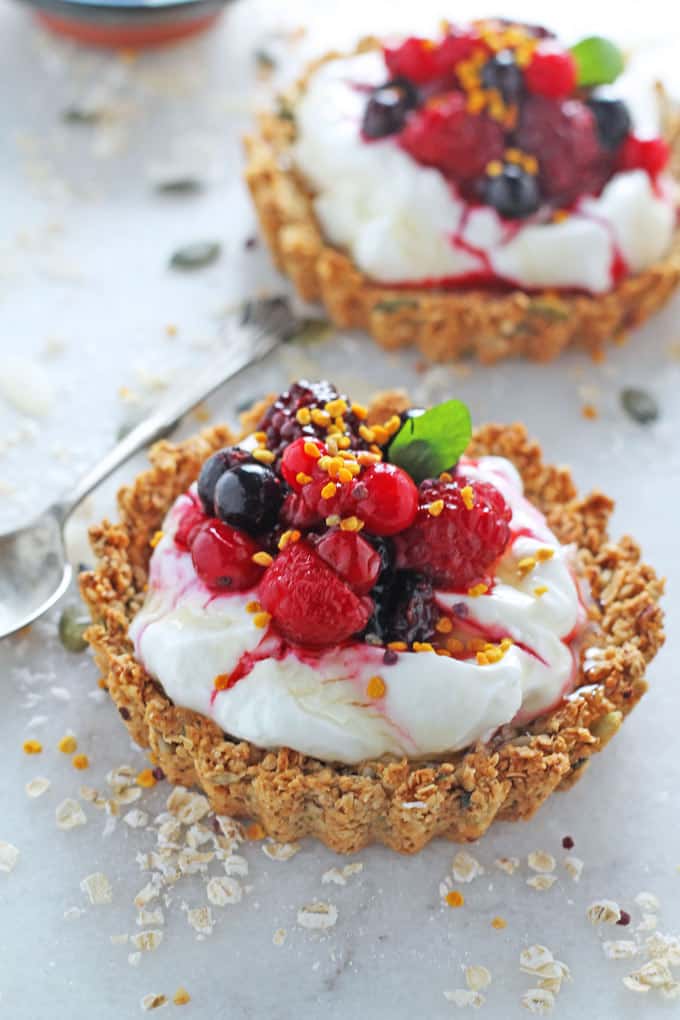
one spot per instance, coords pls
(401, 803)
(445, 325)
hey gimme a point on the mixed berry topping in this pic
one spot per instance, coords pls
(509, 116)
(343, 528)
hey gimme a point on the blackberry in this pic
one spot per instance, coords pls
(501, 72)
(513, 193)
(388, 107)
(378, 627)
(249, 497)
(212, 471)
(282, 427)
(414, 611)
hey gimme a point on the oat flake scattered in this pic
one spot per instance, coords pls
(633, 985)
(534, 957)
(465, 867)
(36, 787)
(97, 887)
(147, 941)
(541, 882)
(477, 978)
(153, 1001)
(538, 1001)
(234, 864)
(507, 864)
(463, 997)
(201, 920)
(69, 814)
(620, 949)
(574, 867)
(223, 891)
(73, 913)
(541, 861)
(146, 917)
(9, 855)
(603, 912)
(136, 819)
(280, 851)
(648, 922)
(279, 936)
(339, 876)
(188, 807)
(317, 915)
(134, 959)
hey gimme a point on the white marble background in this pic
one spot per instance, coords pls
(85, 301)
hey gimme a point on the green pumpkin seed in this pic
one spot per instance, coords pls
(264, 60)
(81, 115)
(313, 331)
(639, 405)
(73, 623)
(197, 255)
(394, 305)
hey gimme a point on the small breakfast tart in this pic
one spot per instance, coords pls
(488, 191)
(368, 624)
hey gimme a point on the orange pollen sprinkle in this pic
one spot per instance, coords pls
(146, 778)
(376, 687)
(397, 646)
(526, 565)
(263, 455)
(312, 450)
(541, 590)
(80, 761)
(262, 558)
(260, 437)
(181, 997)
(477, 590)
(499, 923)
(158, 535)
(329, 490)
(435, 508)
(494, 168)
(336, 407)
(302, 479)
(221, 682)
(344, 442)
(468, 496)
(513, 156)
(443, 625)
(351, 524)
(68, 744)
(303, 416)
(261, 620)
(360, 411)
(392, 424)
(455, 898)
(560, 215)
(366, 459)
(32, 747)
(102, 683)
(254, 831)
(289, 536)
(366, 433)
(506, 644)
(422, 646)
(530, 164)
(320, 417)
(445, 477)
(380, 434)
(455, 645)
(544, 554)
(476, 644)
(253, 607)
(344, 476)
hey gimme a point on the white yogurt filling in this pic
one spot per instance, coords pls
(397, 218)
(318, 705)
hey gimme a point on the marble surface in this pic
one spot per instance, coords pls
(86, 299)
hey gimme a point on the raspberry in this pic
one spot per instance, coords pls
(457, 45)
(650, 154)
(222, 557)
(444, 135)
(386, 499)
(352, 558)
(307, 600)
(415, 59)
(562, 135)
(552, 72)
(456, 546)
(282, 427)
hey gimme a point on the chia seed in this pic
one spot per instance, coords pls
(624, 919)
(390, 657)
(158, 773)
(124, 712)
(568, 843)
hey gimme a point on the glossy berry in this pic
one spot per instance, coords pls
(414, 611)
(444, 135)
(308, 602)
(457, 45)
(388, 107)
(212, 471)
(612, 120)
(191, 520)
(222, 557)
(513, 193)
(249, 496)
(650, 154)
(456, 547)
(386, 499)
(502, 73)
(415, 59)
(282, 427)
(562, 135)
(551, 72)
(383, 593)
(352, 557)
(295, 461)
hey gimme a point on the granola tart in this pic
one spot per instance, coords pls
(370, 205)
(394, 799)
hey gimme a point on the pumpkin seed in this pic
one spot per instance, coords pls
(264, 60)
(394, 305)
(73, 623)
(197, 255)
(285, 109)
(313, 331)
(552, 310)
(640, 405)
(81, 115)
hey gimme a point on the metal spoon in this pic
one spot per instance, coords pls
(34, 571)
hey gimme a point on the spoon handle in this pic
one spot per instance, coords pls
(264, 325)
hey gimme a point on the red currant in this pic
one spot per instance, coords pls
(223, 557)
(387, 499)
(650, 154)
(552, 72)
(296, 462)
(191, 520)
(352, 558)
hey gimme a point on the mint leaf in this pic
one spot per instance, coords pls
(598, 60)
(433, 442)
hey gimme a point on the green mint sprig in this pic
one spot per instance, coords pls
(433, 442)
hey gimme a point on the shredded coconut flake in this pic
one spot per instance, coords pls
(36, 787)
(98, 888)
(69, 814)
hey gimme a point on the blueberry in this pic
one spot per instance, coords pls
(513, 193)
(502, 73)
(249, 497)
(212, 471)
(387, 108)
(612, 120)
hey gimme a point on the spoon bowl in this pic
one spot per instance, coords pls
(34, 571)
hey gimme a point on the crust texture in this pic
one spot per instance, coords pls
(400, 803)
(445, 325)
